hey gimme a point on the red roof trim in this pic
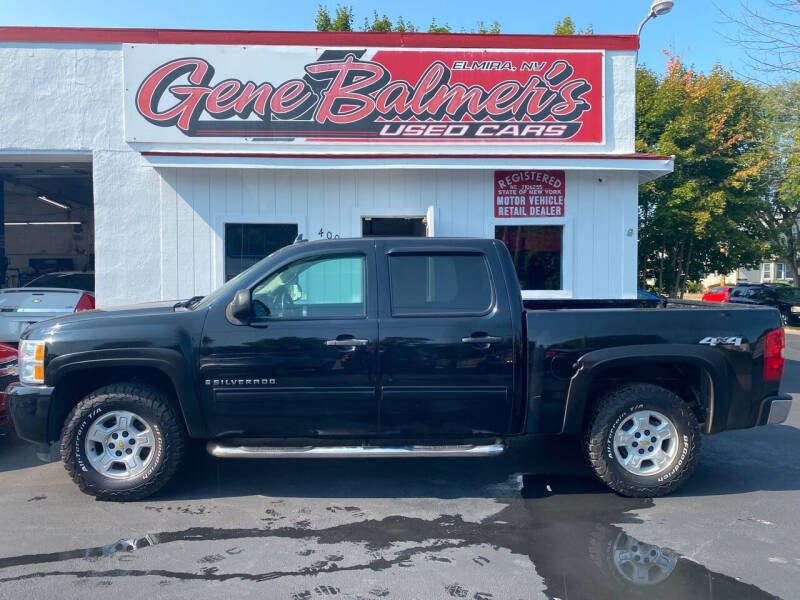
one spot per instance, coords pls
(69, 35)
(636, 156)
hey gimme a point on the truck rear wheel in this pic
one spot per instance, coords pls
(123, 442)
(642, 440)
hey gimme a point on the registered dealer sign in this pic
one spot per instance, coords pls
(528, 193)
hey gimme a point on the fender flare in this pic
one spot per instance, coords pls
(593, 364)
(171, 363)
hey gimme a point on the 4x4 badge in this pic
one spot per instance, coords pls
(721, 341)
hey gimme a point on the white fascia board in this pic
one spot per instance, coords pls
(648, 168)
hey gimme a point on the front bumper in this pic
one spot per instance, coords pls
(775, 409)
(30, 411)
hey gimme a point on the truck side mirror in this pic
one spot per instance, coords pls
(240, 310)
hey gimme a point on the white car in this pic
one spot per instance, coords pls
(46, 296)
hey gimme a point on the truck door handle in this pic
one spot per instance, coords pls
(483, 339)
(347, 343)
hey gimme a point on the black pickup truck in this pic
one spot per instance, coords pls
(392, 347)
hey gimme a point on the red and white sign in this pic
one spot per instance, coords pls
(519, 194)
(231, 94)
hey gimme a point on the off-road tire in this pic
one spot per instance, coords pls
(610, 413)
(167, 427)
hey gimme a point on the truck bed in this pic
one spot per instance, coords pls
(721, 346)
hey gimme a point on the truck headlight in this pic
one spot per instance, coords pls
(31, 362)
(795, 309)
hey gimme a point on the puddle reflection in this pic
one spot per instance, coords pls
(569, 527)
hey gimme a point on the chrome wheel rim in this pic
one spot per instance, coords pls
(646, 443)
(120, 444)
(642, 564)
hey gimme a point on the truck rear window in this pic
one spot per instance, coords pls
(439, 284)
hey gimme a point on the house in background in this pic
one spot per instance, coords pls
(770, 272)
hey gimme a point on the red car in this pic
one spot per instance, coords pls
(721, 293)
(8, 374)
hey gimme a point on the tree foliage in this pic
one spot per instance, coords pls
(341, 21)
(702, 218)
(344, 16)
(780, 212)
(566, 26)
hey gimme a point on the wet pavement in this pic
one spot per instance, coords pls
(511, 527)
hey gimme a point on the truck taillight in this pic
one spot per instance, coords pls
(85, 303)
(773, 355)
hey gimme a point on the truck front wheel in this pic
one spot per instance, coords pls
(123, 442)
(642, 440)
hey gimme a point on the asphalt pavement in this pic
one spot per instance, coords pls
(530, 524)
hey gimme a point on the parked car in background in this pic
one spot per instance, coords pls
(645, 295)
(720, 293)
(783, 297)
(8, 375)
(49, 295)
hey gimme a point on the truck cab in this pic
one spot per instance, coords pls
(376, 338)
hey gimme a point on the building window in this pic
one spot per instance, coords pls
(780, 272)
(247, 243)
(537, 252)
(766, 272)
(440, 284)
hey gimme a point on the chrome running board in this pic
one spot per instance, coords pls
(222, 451)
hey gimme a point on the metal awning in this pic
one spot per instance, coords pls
(648, 166)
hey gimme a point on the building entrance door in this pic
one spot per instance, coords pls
(398, 225)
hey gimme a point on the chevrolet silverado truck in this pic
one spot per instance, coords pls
(392, 347)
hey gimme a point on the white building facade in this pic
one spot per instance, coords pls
(206, 150)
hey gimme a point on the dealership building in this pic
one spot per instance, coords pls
(167, 161)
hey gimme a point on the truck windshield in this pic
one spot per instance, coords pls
(229, 286)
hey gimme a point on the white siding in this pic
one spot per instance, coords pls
(599, 256)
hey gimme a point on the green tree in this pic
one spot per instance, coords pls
(434, 27)
(382, 23)
(323, 20)
(402, 25)
(780, 179)
(702, 218)
(566, 26)
(493, 29)
(342, 20)
(344, 17)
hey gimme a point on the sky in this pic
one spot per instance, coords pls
(695, 29)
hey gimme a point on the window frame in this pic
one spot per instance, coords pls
(782, 270)
(766, 271)
(315, 257)
(226, 256)
(568, 250)
(248, 218)
(562, 270)
(404, 315)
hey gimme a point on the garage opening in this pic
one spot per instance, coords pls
(47, 211)
(394, 226)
